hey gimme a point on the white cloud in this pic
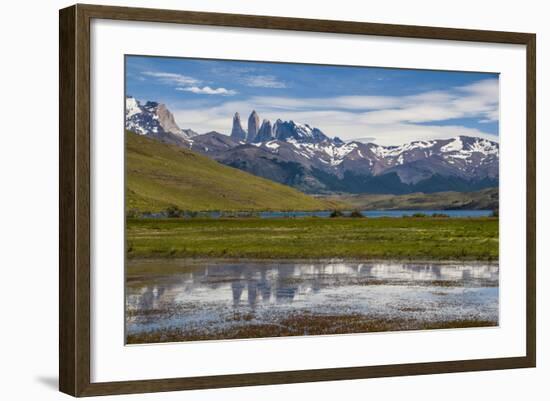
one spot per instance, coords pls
(206, 90)
(488, 88)
(263, 81)
(188, 84)
(391, 120)
(248, 76)
(172, 78)
(339, 102)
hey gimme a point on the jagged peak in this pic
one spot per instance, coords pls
(153, 118)
(237, 131)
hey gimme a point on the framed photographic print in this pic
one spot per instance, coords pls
(250, 200)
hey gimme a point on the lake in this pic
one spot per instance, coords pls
(327, 213)
(384, 213)
(213, 300)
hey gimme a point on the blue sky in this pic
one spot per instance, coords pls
(382, 105)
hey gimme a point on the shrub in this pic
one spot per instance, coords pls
(356, 213)
(440, 215)
(419, 215)
(336, 213)
(173, 211)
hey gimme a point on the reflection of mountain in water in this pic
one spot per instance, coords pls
(253, 283)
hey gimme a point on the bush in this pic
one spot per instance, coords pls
(336, 213)
(356, 213)
(173, 211)
(419, 215)
(440, 215)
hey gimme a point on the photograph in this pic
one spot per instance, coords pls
(275, 199)
(245, 201)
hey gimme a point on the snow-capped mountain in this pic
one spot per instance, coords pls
(303, 156)
(155, 120)
(280, 130)
(462, 156)
(464, 162)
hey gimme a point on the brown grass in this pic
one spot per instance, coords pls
(305, 324)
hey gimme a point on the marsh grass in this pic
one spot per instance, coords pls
(412, 238)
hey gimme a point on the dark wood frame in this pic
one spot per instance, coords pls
(74, 202)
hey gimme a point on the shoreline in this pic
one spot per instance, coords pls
(165, 266)
(308, 260)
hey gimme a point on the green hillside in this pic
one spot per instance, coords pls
(159, 176)
(485, 199)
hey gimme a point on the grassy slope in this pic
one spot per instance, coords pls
(483, 199)
(381, 238)
(160, 175)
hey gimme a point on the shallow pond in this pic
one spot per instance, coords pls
(202, 300)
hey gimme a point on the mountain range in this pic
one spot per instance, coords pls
(303, 157)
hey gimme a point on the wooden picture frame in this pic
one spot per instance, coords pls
(74, 204)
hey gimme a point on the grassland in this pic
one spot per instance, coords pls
(159, 176)
(315, 238)
(486, 199)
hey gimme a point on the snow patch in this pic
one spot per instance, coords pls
(395, 151)
(484, 146)
(453, 146)
(272, 145)
(132, 107)
(303, 130)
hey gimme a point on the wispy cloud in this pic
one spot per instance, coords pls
(264, 81)
(391, 120)
(249, 76)
(478, 100)
(206, 90)
(188, 84)
(172, 78)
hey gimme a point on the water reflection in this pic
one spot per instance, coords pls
(254, 282)
(207, 294)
